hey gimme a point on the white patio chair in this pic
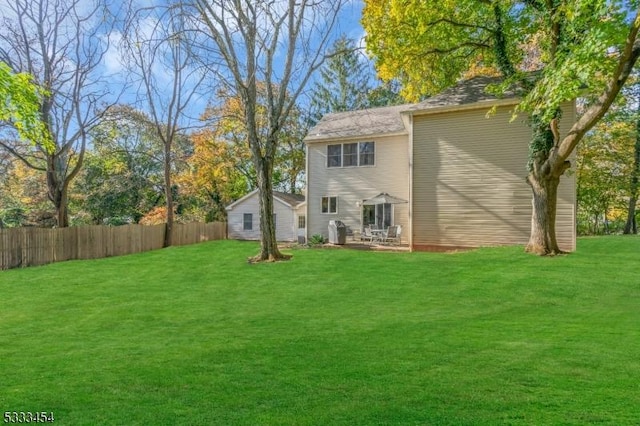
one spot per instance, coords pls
(366, 234)
(393, 234)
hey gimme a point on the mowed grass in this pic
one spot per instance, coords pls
(196, 335)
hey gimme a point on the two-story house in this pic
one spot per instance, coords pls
(458, 160)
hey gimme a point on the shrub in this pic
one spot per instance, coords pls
(316, 239)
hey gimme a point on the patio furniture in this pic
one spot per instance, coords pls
(366, 234)
(377, 234)
(393, 234)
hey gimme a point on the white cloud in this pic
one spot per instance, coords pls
(112, 60)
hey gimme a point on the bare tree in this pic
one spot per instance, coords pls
(279, 44)
(61, 44)
(168, 80)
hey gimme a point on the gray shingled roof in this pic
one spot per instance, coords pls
(292, 199)
(365, 122)
(388, 120)
(466, 92)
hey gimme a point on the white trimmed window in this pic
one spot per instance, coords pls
(334, 156)
(329, 205)
(247, 221)
(355, 154)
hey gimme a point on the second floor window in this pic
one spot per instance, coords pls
(334, 156)
(351, 154)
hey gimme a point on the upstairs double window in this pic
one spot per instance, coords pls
(355, 154)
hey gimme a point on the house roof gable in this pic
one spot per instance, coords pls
(467, 92)
(365, 122)
(291, 200)
(387, 121)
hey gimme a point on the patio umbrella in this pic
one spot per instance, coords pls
(383, 198)
(383, 209)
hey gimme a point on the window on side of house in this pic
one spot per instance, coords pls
(367, 153)
(329, 205)
(349, 154)
(334, 155)
(302, 222)
(356, 154)
(247, 221)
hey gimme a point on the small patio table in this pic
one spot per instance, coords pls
(378, 234)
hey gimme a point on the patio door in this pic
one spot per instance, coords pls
(378, 215)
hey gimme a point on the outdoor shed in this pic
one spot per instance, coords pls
(243, 217)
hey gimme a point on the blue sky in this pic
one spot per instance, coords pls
(114, 71)
(348, 24)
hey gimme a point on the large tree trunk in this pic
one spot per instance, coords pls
(168, 230)
(57, 190)
(543, 239)
(551, 161)
(268, 244)
(631, 226)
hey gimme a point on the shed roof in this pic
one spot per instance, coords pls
(292, 199)
(388, 120)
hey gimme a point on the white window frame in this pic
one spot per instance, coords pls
(328, 197)
(359, 156)
(244, 221)
(334, 156)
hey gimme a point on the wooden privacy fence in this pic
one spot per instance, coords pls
(21, 247)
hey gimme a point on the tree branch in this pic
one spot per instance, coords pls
(627, 60)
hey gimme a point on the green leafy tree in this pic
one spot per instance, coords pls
(20, 106)
(631, 225)
(347, 82)
(61, 44)
(603, 174)
(608, 167)
(386, 93)
(23, 197)
(344, 81)
(428, 45)
(122, 179)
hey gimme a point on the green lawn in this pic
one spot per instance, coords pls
(196, 335)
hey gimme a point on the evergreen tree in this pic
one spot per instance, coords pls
(344, 83)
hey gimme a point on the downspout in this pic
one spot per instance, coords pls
(306, 194)
(410, 118)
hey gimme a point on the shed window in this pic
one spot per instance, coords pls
(247, 221)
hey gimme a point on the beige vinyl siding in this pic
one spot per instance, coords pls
(353, 184)
(469, 181)
(285, 217)
(285, 226)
